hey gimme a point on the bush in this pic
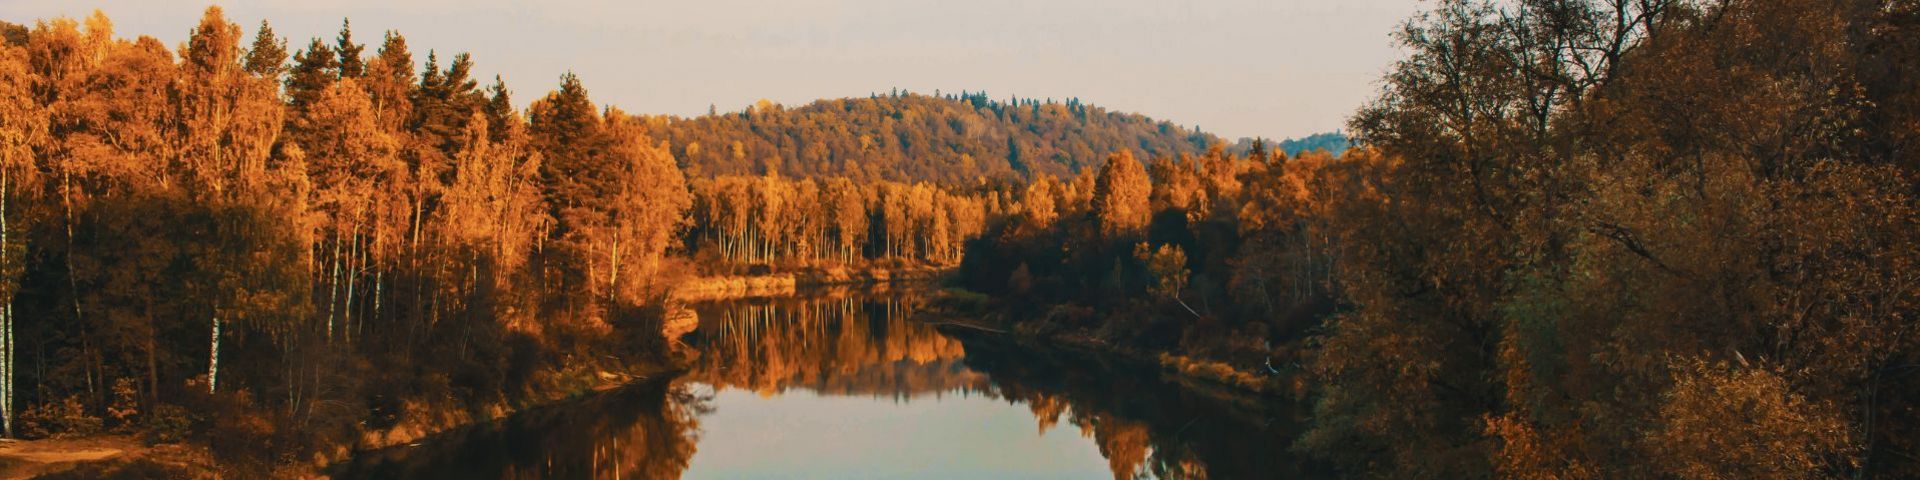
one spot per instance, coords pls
(125, 408)
(168, 423)
(66, 418)
(239, 435)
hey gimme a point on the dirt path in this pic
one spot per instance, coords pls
(27, 458)
(94, 456)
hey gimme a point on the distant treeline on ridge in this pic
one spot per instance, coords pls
(946, 138)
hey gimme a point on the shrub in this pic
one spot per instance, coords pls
(168, 423)
(126, 404)
(65, 418)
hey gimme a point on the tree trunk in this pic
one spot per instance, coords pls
(213, 358)
(613, 270)
(6, 316)
(6, 369)
(378, 288)
(333, 284)
(354, 264)
(73, 284)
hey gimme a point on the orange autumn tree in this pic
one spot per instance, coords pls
(1594, 289)
(23, 124)
(1120, 199)
(618, 197)
(649, 209)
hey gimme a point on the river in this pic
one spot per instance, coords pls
(850, 386)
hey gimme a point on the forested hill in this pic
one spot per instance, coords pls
(907, 136)
(1334, 143)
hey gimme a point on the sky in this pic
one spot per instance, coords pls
(1236, 68)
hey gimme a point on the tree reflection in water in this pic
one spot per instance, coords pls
(1145, 425)
(646, 430)
(834, 346)
(850, 345)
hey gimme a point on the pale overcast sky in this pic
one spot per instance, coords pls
(1236, 68)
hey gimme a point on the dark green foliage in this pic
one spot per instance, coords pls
(268, 55)
(1334, 143)
(350, 62)
(499, 110)
(314, 69)
(1069, 277)
(13, 33)
(910, 137)
(445, 102)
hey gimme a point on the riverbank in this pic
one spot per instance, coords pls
(964, 310)
(729, 287)
(761, 363)
(429, 420)
(126, 456)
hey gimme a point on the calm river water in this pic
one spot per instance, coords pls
(852, 386)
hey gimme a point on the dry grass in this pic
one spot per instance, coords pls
(1213, 371)
(783, 284)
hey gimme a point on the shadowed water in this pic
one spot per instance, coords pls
(852, 386)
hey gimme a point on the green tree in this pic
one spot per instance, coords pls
(268, 56)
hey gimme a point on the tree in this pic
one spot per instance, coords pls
(1572, 254)
(1120, 197)
(23, 124)
(499, 108)
(350, 63)
(492, 215)
(564, 121)
(351, 162)
(915, 138)
(1039, 201)
(847, 217)
(229, 121)
(649, 210)
(268, 56)
(578, 182)
(314, 69)
(1732, 421)
(1168, 265)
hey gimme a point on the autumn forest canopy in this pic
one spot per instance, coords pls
(1578, 239)
(1568, 239)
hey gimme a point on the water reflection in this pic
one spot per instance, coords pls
(851, 386)
(1146, 425)
(839, 346)
(646, 430)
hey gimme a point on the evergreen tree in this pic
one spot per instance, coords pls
(499, 109)
(350, 63)
(268, 56)
(314, 70)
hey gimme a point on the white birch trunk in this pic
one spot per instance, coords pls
(213, 358)
(6, 319)
(333, 284)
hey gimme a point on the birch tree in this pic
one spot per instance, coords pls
(22, 124)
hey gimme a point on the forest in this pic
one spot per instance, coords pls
(1577, 239)
(1567, 239)
(904, 136)
(244, 244)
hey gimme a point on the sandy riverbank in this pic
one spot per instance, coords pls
(785, 284)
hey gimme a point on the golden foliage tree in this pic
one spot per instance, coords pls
(1120, 201)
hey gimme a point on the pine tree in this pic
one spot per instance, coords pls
(314, 70)
(499, 109)
(564, 123)
(350, 63)
(268, 56)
